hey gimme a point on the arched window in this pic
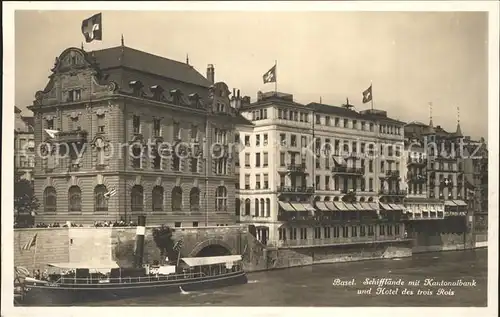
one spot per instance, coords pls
(237, 207)
(75, 198)
(262, 207)
(194, 199)
(362, 199)
(327, 198)
(247, 207)
(221, 199)
(50, 199)
(268, 207)
(336, 198)
(370, 199)
(256, 211)
(137, 198)
(157, 198)
(100, 201)
(176, 198)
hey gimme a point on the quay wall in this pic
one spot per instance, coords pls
(56, 245)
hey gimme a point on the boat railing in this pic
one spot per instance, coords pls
(126, 279)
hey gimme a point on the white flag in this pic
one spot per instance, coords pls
(52, 133)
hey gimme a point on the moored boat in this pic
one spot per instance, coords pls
(100, 282)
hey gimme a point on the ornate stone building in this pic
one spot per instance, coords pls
(24, 145)
(134, 135)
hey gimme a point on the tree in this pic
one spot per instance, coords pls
(163, 238)
(25, 202)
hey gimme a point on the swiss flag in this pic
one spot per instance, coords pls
(92, 28)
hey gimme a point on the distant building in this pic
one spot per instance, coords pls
(24, 145)
(145, 127)
(317, 174)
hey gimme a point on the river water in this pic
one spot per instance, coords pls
(313, 285)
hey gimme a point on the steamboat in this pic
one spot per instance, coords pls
(75, 283)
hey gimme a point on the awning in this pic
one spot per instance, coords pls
(331, 206)
(350, 207)
(373, 205)
(340, 206)
(358, 206)
(286, 206)
(440, 208)
(460, 202)
(298, 206)
(309, 207)
(321, 206)
(85, 265)
(449, 203)
(432, 208)
(397, 206)
(209, 260)
(366, 206)
(385, 207)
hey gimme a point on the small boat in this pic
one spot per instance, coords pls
(77, 283)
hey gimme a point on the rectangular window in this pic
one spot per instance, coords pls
(194, 134)
(345, 232)
(177, 224)
(265, 139)
(396, 230)
(317, 233)
(257, 181)
(318, 119)
(354, 231)
(247, 159)
(247, 181)
(371, 231)
(318, 182)
(257, 159)
(327, 232)
(195, 223)
(362, 231)
(293, 140)
(257, 140)
(156, 127)
(362, 125)
(303, 233)
(336, 232)
(137, 124)
(266, 159)
(327, 182)
(247, 140)
(382, 230)
(293, 233)
(328, 121)
(346, 123)
(282, 158)
(303, 141)
(371, 127)
(354, 124)
(370, 184)
(266, 181)
(283, 139)
(337, 122)
(177, 131)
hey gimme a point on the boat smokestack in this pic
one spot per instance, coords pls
(139, 241)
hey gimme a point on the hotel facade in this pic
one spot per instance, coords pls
(123, 133)
(317, 174)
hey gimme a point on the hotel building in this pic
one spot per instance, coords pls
(134, 135)
(319, 174)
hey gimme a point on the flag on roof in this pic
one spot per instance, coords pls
(92, 28)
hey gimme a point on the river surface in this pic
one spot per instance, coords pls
(313, 285)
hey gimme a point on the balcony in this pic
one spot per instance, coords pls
(296, 168)
(392, 174)
(347, 170)
(392, 192)
(336, 241)
(304, 190)
(417, 178)
(416, 162)
(74, 136)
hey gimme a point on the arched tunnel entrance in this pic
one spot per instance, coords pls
(213, 250)
(212, 247)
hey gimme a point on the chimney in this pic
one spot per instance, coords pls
(211, 73)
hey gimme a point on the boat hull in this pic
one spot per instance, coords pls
(74, 295)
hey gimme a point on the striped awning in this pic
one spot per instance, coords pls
(298, 206)
(286, 206)
(449, 203)
(358, 206)
(366, 206)
(330, 205)
(321, 206)
(460, 203)
(340, 206)
(397, 206)
(350, 207)
(373, 205)
(309, 207)
(385, 207)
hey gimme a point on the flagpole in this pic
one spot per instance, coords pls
(276, 77)
(34, 254)
(371, 87)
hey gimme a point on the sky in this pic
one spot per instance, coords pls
(411, 58)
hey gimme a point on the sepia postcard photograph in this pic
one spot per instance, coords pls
(259, 156)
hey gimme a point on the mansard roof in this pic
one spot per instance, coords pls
(133, 59)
